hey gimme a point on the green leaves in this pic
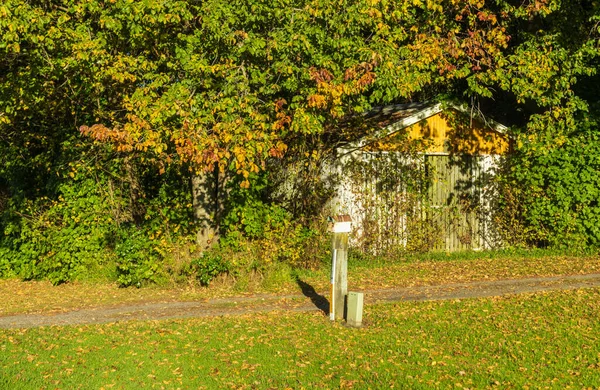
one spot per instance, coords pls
(559, 182)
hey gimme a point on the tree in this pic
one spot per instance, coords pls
(218, 87)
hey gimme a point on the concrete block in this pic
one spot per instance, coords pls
(354, 309)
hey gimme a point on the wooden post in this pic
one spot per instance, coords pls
(339, 267)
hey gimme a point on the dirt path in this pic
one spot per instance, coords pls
(310, 300)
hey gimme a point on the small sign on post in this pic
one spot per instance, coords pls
(340, 227)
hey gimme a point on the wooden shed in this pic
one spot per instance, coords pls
(422, 179)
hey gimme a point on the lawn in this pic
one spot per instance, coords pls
(546, 340)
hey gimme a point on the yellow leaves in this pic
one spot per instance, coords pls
(124, 148)
(227, 137)
(242, 34)
(434, 6)
(317, 101)
(374, 13)
(477, 3)
(122, 76)
(239, 154)
(4, 119)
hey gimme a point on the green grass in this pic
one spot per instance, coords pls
(542, 340)
(360, 260)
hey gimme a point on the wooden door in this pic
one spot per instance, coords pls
(454, 195)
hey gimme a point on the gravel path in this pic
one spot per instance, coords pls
(310, 300)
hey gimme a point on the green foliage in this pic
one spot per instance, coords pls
(86, 226)
(256, 226)
(6, 268)
(208, 266)
(151, 250)
(555, 189)
(250, 213)
(165, 89)
(60, 239)
(235, 83)
(254, 219)
(280, 241)
(139, 261)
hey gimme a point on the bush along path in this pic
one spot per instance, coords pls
(309, 300)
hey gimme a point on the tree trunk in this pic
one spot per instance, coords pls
(207, 208)
(138, 211)
(4, 195)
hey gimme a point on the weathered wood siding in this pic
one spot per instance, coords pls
(453, 214)
(454, 194)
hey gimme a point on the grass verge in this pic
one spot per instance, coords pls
(40, 296)
(539, 340)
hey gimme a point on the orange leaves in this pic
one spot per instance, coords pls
(283, 119)
(187, 151)
(317, 101)
(362, 73)
(331, 92)
(320, 75)
(365, 80)
(486, 16)
(278, 150)
(135, 135)
(239, 139)
(101, 133)
(538, 7)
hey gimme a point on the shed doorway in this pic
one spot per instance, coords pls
(455, 200)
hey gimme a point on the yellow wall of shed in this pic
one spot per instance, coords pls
(446, 132)
(456, 133)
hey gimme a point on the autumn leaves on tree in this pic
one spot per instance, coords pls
(217, 88)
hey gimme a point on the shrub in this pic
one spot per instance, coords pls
(208, 266)
(59, 239)
(550, 194)
(264, 231)
(139, 261)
